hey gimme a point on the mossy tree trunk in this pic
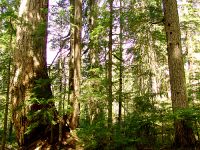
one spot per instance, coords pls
(71, 59)
(184, 136)
(30, 69)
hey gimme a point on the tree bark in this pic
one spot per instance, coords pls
(5, 128)
(74, 102)
(61, 92)
(71, 59)
(184, 136)
(29, 68)
(120, 66)
(4, 137)
(110, 99)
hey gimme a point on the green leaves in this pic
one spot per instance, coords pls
(192, 114)
(41, 88)
(155, 13)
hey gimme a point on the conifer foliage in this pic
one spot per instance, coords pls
(99, 74)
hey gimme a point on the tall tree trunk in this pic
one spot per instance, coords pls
(120, 65)
(7, 92)
(7, 105)
(71, 59)
(30, 79)
(110, 99)
(184, 136)
(8, 88)
(60, 110)
(74, 117)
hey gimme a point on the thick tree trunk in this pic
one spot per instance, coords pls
(75, 79)
(30, 79)
(184, 136)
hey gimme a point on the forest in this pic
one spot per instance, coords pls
(99, 74)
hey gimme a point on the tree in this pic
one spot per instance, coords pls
(110, 43)
(71, 59)
(92, 106)
(7, 100)
(8, 24)
(75, 75)
(120, 64)
(184, 136)
(30, 79)
(121, 85)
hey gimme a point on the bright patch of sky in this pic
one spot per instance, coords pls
(50, 53)
(57, 30)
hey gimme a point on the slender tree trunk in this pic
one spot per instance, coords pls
(71, 59)
(7, 92)
(30, 79)
(120, 65)
(184, 136)
(94, 63)
(7, 106)
(74, 118)
(65, 84)
(110, 99)
(61, 94)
